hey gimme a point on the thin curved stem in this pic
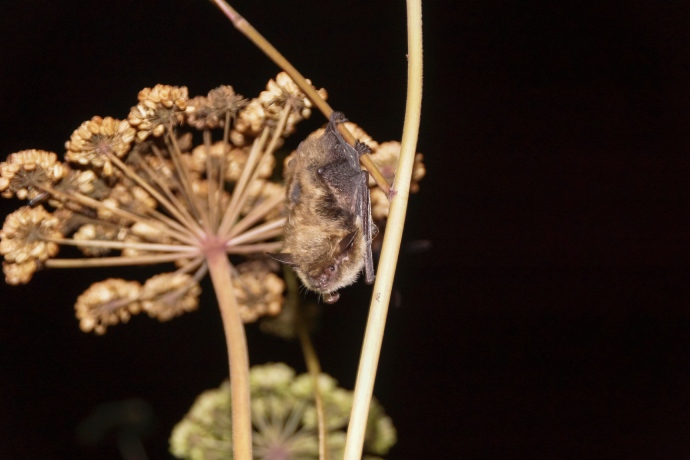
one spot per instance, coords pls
(256, 214)
(264, 45)
(116, 261)
(391, 242)
(154, 193)
(185, 181)
(264, 231)
(97, 205)
(255, 248)
(269, 50)
(244, 194)
(232, 211)
(125, 245)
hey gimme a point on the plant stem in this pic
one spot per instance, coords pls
(219, 268)
(391, 242)
(314, 368)
(255, 248)
(233, 209)
(244, 193)
(258, 212)
(118, 261)
(310, 358)
(124, 245)
(269, 50)
(129, 172)
(264, 231)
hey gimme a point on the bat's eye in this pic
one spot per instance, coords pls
(320, 170)
(332, 268)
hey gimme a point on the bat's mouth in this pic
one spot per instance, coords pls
(331, 297)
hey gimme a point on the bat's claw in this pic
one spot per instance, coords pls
(362, 148)
(338, 117)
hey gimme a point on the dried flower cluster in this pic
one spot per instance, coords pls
(386, 157)
(284, 418)
(138, 191)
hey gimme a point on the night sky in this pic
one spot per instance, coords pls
(550, 317)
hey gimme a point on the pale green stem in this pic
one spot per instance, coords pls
(391, 242)
(221, 276)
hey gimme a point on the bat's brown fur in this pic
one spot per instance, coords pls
(328, 230)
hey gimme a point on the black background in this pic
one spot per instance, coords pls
(550, 319)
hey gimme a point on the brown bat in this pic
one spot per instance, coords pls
(328, 233)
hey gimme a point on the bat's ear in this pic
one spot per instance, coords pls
(283, 257)
(347, 241)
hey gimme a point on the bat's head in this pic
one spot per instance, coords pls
(337, 266)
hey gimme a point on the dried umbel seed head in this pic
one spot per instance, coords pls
(283, 91)
(128, 197)
(159, 108)
(96, 139)
(107, 303)
(380, 205)
(168, 295)
(19, 273)
(386, 158)
(85, 182)
(251, 119)
(26, 172)
(132, 198)
(211, 111)
(259, 292)
(97, 232)
(25, 237)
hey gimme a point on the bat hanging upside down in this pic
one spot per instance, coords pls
(328, 233)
